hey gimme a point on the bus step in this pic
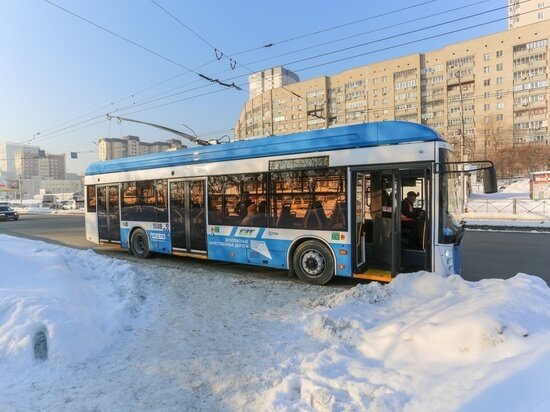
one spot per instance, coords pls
(374, 274)
(196, 255)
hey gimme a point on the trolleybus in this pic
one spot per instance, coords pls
(320, 203)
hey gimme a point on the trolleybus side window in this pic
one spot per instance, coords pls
(145, 201)
(310, 199)
(231, 198)
(91, 199)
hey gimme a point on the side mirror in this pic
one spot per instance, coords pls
(490, 180)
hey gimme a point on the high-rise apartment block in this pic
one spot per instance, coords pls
(266, 80)
(489, 91)
(127, 146)
(523, 12)
(9, 152)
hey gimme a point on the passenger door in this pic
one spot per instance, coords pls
(188, 215)
(108, 213)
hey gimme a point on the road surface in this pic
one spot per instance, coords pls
(486, 254)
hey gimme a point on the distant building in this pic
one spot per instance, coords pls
(36, 185)
(523, 12)
(266, 80)
(50, 166)
(127, 146)
(8, 155)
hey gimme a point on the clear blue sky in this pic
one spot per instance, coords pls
(57, 70)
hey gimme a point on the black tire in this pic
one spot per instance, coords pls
(139, 244)
(313, 262)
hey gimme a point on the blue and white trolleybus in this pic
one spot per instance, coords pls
(320, 204)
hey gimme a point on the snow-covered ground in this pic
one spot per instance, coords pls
(122, 336)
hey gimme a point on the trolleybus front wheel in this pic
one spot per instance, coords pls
(313, 262)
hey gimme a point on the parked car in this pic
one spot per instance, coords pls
(7, 212)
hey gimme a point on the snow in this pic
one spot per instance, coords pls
(179, 335)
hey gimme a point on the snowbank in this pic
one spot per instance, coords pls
(425, 343)
(76, 300)
(207, 339)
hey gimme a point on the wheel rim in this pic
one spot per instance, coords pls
(139, 244)
(313, 263)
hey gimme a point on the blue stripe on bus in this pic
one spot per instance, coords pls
(244, 250)
(266, 252)
(335, 138)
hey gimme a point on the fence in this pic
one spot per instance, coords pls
(534, 209)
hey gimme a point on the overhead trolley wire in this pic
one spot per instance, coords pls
(38, 135)
(335, 27)
(331, 62)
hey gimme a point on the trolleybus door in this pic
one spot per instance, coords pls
(377, 227)
(108, 213)
(188, 215)
(361, 192)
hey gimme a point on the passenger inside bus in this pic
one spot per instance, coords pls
(252, 215)
(412, 221)
(241, 207)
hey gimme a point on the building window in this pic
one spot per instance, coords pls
(500, 117)
(500, 105)
(384, 79)
(487, 69)
(499, 53)
(486, 95)
(486, 107)
(487, 82)
(500, 67)
(500, 80)
(486, 57)
(540, 15)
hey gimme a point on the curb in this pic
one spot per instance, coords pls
(508, 228)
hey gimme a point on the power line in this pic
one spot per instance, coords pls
(127, 40)
(34, 137)
(383, 39)
(120, 36)
(369, 32)
(336, 27)
(307, 68)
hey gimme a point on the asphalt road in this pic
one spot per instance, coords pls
(495, 254)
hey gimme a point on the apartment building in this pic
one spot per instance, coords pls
(523, 12)
(127, 146)
(485, 92)
(265, 80)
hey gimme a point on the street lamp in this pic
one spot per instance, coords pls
(461, 131)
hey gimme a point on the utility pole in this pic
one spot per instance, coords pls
(461, 131)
